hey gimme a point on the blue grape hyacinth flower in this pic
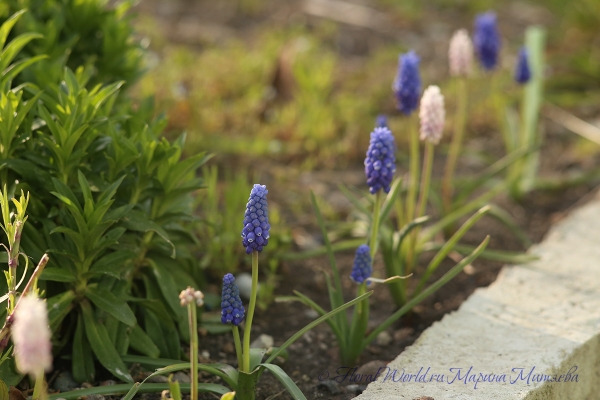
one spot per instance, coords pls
(380, 163)
(381, 121)
(407, 85)
(362, 268)
(232, 310)
(255, 234)
(487, 40)
(522, 71)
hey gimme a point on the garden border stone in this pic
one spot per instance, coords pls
(536, 323)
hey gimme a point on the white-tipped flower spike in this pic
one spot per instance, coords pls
(432, 115)
(189, 295)
(31, 337)
(460, 53)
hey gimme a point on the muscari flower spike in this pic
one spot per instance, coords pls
(487, 40)
(255, 234)
(381, 121)
(31, 337)
(432, 115)
(362, 269)
(189, 296)
(232, 310)
(380, 163)
(522, 71)
(407, 85)
(460, 53)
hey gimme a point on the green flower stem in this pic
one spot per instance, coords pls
(250, 315)
(414, 170)
(193, 321)
(375, 224)
(455, 145)
(360, 321)
(238, 345)
(425, 179)
(423, 196)
(39, 390)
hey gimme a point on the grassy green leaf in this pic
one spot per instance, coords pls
(102, 346)
(114, 390)
(105, 300)
(82, 363)
(141, 342)
(287, 382)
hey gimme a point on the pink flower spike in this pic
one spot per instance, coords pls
(432, 115)
(460, 54)
(31, 337)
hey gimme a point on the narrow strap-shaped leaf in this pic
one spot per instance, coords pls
(8, 25)
(166, 370)
(406, 229)
(101, 344)
(285, 380)
(338, 297)
(510, 223)
(105, 300)
(256, 356)
(390, 199)
(112, 390)
(316, 322)
(82, 362)
(141, 342)
(354, 200)
(427, 292)
(449, 245)
(506, 257)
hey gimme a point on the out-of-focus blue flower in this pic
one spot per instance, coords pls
(255, 234)
(487, 40)
(381, 121)
(407, 85)
(362, 269)
(522, 71)
(232, 310)
(380, 164)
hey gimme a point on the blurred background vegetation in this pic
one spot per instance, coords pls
(285, 90)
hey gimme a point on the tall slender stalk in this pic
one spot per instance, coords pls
(455, 145)
(423, 196)
(193, 321)
(238, 345)
(375, 224)
(251, 307)
(414, 170)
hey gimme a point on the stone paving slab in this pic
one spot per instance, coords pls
(534, 334)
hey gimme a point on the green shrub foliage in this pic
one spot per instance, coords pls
(110, 198)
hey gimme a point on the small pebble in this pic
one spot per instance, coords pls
(384, 338)
(371, 368)
(263, 342)
(331, 386)
(308, 337)
(244, 283)
(356, 389)
(158, 379)
(311, 314)
(181, 377)
(64, 382)
(228, 348)
(205, 354)
(402, 334)
(95, 397)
